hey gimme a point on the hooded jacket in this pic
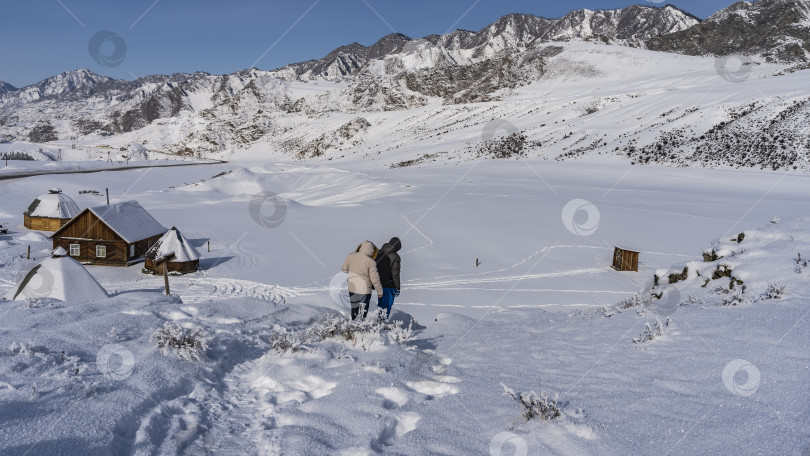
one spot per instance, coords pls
(363, 270)
(388, 263)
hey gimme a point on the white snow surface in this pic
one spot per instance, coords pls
(129, 220)
(55, 205)
(539, 312)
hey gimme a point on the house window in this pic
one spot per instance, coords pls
(132, 251)
(75, 250)
(101, 251)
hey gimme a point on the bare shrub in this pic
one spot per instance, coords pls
(535, 406)
(187, 343)
(775, 290)
(652, 331)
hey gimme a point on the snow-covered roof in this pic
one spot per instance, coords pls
(173, 242)
(53, 205)
(61, 278)
(129, 220)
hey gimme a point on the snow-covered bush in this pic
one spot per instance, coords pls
(801, 264)
(363, 333)
(284, 340)
(734, 298)
(652, 331)
(535, 406)
(630, 302)
(401, 334)
(775, 290)
(187, 343)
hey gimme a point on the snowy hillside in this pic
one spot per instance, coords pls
(254, 353)
(584, 85)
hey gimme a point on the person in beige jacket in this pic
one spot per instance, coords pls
(363, 276)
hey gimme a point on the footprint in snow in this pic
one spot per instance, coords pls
(394, 397)
(396, 427)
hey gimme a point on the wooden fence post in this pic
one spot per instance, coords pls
(165, 262)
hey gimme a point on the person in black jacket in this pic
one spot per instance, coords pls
(388, 266)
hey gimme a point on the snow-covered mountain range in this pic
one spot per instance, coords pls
(548, 79)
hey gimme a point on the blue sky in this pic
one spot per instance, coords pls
(46, 37)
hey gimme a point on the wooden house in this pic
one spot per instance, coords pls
(186, 258)
(50, 211)
(114, 235)
(625, 260)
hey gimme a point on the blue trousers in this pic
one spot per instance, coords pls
(387, 300)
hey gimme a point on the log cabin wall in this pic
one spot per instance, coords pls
(116, 251)
(43, 224)
(87, 226)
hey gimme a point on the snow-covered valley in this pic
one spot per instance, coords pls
(542, 310)
(516, 165)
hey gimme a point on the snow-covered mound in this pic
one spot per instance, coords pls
(743, 268)
(61, 278)
(299, 184)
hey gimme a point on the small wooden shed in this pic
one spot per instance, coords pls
(50, 211)
(114, 235)
(186, 258)
(625, 260)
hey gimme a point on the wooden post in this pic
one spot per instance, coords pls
(165, 262)
(209, 245)
(108, 196)
(166, 277)
(29, 252)
(477, 263)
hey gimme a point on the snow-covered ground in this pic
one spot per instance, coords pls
(538, 312)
